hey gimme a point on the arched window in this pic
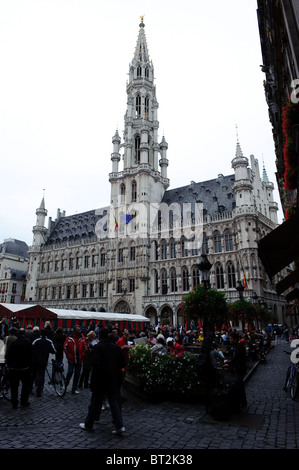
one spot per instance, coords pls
(146, 107)
(123, 192)
(173, 280)
(184, 246)
(219, 277)
(231, 276)
(134, 191)
(228, 238)
(164, 281)
(217, 242)
(163, 249)
(139, 71)
(185, 278)
(194, 244)
(172, 248)
(146, 72)
(137, 149)
(155, 250)
(156, 282)
(195, 276)
(205, 247)
(138, 105)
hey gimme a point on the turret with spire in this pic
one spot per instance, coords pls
(39, 230)
(243, 185)
(141, 164)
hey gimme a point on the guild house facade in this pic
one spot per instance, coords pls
(140, 253)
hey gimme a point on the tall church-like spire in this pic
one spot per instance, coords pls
(142, 166)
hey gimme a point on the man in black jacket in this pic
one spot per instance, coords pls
(107, 363)
(19, 361)
(238, 363)
(42, 347)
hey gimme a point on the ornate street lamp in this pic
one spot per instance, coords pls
(204, 267)
(240, 289)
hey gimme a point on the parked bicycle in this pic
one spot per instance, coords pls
(57, 378)
(5, 391)
(292, 377)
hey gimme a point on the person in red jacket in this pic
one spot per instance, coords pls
(75, 348)
(174, 347)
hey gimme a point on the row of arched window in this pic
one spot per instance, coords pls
(191, 248)
(138, 107)
(168, 280)
(133, 192)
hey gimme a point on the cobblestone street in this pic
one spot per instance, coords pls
(270, 422)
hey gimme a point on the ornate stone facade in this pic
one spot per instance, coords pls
(140, 254)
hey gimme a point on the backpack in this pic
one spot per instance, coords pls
(203, 365)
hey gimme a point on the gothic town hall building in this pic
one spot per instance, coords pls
(140, 254)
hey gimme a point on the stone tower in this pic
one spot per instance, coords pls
(143, 178)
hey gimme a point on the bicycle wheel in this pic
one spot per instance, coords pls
(287, 379)
(59, 383)
(294, 384)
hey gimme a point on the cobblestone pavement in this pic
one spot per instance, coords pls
(270, 422)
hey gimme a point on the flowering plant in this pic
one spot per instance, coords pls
(208, 305)
(246, 312)
(167, 372)
(290, 118)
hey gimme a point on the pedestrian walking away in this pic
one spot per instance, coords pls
(75, 348)
(85, 374)
(19, 362)
(42, 348)
(238, 365)
(58, 341)
(106, 379)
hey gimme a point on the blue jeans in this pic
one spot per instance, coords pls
(76, 370)
(95, 406)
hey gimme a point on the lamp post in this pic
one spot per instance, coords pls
(204, 267)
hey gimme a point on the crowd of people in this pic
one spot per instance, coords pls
(97, 358)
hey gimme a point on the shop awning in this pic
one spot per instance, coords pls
(45, 313)
(293, 295)
(26, 311)
(288, 281)
(280, 247)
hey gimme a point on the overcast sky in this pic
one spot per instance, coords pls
(64, 68)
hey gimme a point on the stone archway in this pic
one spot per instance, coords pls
(122, 307)
(166, 315)
(152, 314)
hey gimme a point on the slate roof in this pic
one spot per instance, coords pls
(216, 195)
(75, 227)
(14, 247)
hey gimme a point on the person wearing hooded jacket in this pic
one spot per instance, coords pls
(75, 348)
